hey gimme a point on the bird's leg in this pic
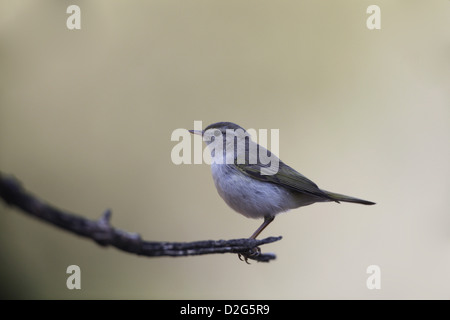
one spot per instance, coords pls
(256, 251)
(267, 221)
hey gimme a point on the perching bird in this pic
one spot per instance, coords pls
(256, 188)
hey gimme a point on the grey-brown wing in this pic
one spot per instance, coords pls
(285, 176)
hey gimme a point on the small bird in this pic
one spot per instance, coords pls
(252, 187)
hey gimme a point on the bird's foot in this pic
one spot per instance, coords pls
(253, 252)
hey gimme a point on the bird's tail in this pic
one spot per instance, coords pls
(340, 197)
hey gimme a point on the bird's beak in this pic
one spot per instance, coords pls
(199, 132)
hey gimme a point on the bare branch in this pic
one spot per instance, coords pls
(104, 234)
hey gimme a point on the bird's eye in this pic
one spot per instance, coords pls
(217, 133)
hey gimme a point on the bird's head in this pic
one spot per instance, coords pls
(227, 131)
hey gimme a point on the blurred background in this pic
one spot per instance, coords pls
(86, 118)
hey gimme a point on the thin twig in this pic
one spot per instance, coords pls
(102, 232)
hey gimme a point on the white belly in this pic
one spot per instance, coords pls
(251, 197)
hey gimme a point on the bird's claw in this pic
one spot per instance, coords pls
(252, 253)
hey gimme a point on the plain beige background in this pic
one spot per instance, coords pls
(86, 118)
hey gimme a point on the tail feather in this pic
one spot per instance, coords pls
(340, 197)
